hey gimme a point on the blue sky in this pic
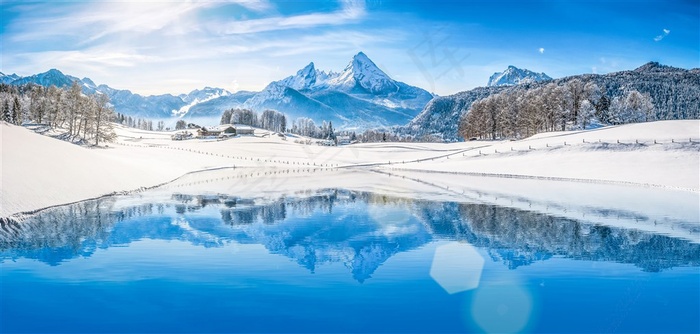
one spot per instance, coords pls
(445, 47)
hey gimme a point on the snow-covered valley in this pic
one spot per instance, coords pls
(39, 171)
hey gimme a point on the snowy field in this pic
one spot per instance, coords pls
(39, 171)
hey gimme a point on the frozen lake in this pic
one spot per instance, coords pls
(182, 259)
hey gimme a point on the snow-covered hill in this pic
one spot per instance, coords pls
(515, 76)
(39, 171)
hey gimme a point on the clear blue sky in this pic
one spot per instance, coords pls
(443, 46)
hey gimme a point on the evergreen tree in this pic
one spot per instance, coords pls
(6, 113)
(331, 132)
(602, 109)
(16, 111)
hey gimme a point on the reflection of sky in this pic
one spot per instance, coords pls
(174, 285)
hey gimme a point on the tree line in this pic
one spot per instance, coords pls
(83, 117)
(139, 123)
(521, 112)
(274, 120)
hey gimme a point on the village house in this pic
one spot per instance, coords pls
(181, 135)
(244, 129)
(216, 131)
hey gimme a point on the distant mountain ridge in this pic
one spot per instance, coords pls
(515, 76)
(124, 101)
(360, 96)
(675, 93)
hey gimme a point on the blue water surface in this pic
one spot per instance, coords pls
(337, 261)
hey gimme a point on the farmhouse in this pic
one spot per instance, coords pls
(215, 131)
(182, 135)
(244, 130)
(343, 140)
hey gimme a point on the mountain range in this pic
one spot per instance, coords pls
(360, 96)
(363, 96)
(515, 76)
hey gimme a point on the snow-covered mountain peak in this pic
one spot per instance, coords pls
(364, 74)
(514, 76)
(306, 78)
(199, 96)
(656, 67)
(8, 78)
(308, 70)
(87, 82)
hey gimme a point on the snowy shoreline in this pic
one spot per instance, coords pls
(40, 172)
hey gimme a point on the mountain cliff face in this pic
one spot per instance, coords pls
(515, 76)
(675, 93)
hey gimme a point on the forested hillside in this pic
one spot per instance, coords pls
(82, 118)
(522, 110)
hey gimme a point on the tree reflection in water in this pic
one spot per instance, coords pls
(333, 225)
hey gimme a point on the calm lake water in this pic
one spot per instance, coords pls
(337, 260)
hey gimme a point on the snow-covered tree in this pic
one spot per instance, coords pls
(226, 117)
(585, 113)
(6, 113)
(632, 107)
(101, 120)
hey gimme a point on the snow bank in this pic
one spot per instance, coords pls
(38, 171)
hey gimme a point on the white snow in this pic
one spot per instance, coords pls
(38, 171)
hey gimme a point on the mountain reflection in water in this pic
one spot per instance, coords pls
(362, 230)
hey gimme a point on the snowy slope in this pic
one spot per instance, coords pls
(39, 171)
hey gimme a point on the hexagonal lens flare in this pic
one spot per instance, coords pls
(457, 267)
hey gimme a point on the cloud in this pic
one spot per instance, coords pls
(541, 50)
(660, 37)
(350, 11)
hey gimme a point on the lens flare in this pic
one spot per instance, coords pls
(501, 308)
(457, 267)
